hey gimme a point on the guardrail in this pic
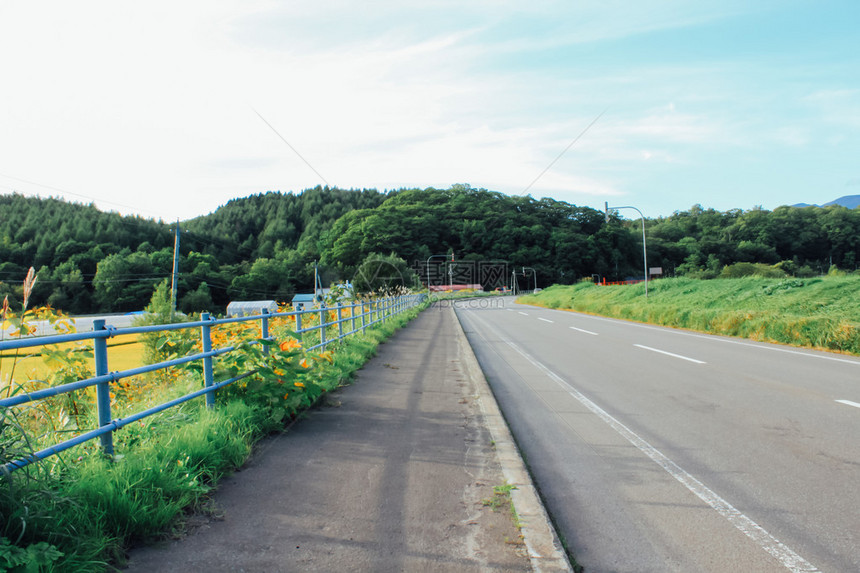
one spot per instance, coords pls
(361, 316)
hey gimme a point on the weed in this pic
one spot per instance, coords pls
(501, 495)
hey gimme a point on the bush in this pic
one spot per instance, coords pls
(739, 270)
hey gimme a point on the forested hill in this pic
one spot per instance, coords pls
(265, 246)
(562, 242)
(91, 261)
(265, 224)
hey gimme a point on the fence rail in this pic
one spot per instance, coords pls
(361, 316)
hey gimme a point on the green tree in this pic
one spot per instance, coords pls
(198, 300)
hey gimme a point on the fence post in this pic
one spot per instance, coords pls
(208, 376)
(363, 319)
(301, 334)
(352, 306)
(264, 329)
(339, 319)
(323, 322)
(102, 388)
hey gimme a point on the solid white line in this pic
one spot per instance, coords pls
(670, 354)
(747, 526)
(849, 403)
(761, 346)
(523, 313)
(545, 320)
(581, 330)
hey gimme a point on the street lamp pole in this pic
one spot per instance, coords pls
(428, 268)
(644, 251)
(534, 274)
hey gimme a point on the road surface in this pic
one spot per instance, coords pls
(658, 449)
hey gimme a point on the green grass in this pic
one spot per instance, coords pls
(818, 313)
(90, 508)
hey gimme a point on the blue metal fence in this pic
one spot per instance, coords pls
(361, 316)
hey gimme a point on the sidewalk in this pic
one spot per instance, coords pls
(388, 475)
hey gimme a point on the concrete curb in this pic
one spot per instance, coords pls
(544, 548)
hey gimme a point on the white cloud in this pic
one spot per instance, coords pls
(153, 105)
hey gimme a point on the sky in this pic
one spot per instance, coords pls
(169, 109)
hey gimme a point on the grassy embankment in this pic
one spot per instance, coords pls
(820, 313)
(79, 511)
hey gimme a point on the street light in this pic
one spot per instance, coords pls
(534, 274)
(428, 267)
(644, 251)
(525, 276)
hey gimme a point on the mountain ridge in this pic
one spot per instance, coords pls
(848, 201)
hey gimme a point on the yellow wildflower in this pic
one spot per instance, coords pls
(290, 344)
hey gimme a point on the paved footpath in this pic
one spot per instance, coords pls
(389, 474)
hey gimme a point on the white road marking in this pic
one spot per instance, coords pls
(582, 330)
(849, 403)
(670, 354)
(761, 346)
(545, 320)
(747, 526)
(523, 313)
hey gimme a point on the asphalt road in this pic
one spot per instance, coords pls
(664, 450)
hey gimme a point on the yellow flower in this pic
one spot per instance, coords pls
(304, 363)
(290, 344)
(298, 384)
(286, 395)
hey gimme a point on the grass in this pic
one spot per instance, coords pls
(79, 511)
(501, 496)
(819, 313)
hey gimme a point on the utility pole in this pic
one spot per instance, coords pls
(175, 282)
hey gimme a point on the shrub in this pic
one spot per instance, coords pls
(739, 270)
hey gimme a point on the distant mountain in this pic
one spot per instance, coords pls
(849, 201)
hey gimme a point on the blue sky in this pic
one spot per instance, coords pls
(170, 109)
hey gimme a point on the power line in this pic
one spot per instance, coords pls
(65, 192)
(569, 145)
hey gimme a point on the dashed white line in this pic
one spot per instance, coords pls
(583, 330)
(849, 403)
(789, 559)
(545, 320)
(717, 338)
(670, 354)
(523, 313)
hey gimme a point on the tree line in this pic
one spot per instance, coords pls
(266, 246)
